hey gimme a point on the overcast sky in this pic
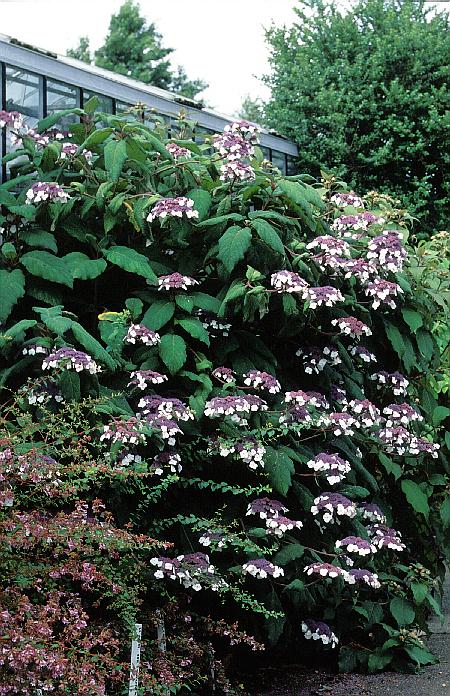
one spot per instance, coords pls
(220, 41)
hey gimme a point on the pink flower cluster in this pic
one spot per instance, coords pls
(236, 144)
(351, 577)
(173, 207)
(237, 141)
(302, 398)
(332, 246)
(350, 326)
(342, 200)
(192, 570)
(142, 379)
(315, 359)
(334, 467)
(348, 224)
(236, 171)
(46, 191)
(326, 295)
(224, 374)
(387, 251)
(354, 544)
(70, 359)
(138, 333)
(69, 150)
(169, 407)
(361, 353)
(34, 471)
(175, 281)
(170, 461)
(47, 646)
(214, 539)
(272, 512)
(11, 119)
(317, 630)
(383, 292)
(400, 441)
(126, 432)
(371, 512)
(330, 505)
(287, 281)
(368, 414)
(260, 568)
(248, 449)
(262, 381)
(178, 151)
(393, 380)
(386, 537)
(401, 413)
(234, 406)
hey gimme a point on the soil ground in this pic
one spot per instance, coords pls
(431, 681)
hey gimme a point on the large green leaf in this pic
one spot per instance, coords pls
(268, 234)
(157, 145)
(93, 347)
(279, 468)
(20, 366)
(158, 314)
(390, 466)
(40, 239)
(300, 193)
(44, 265)
(185, 302)
(195, 328)
(112, 404)
(206, 302)
(12, 288)
(16, 332)
(236, 289)
(416, 497)
(115, 154)
(395, 338)
(275, 624)
(233, 244)
(420, 591)
(440, 414)
(220, 219)
(172, 350)
(378, 660)
(445, 512)
(69, 382)
(412, 318)
(420, 655)
(288, 553)
(402, 611)
(426, 344)
(130, 260)
(49, 121)
(202, 201)
(96, 137)
(84, 268)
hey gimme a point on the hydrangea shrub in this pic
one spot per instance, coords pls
(217, 404)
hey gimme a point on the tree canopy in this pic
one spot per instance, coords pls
(252, 109)
(134, 48)
(365, 92)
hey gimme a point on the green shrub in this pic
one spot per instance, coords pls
(188, 357)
